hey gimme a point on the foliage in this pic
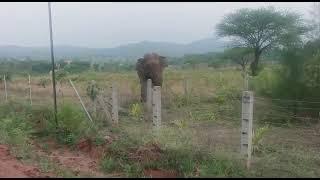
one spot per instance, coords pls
(180, 123)
(315, 22)
(44, 82)
(261, 29)
(15, 129)
(108, 164)
(92, 90)
(61, 75)
(136, 110)
(312, 72)
(267, 82)
(73, 124)
(77, 67)
(8, 76)
(257, 137)
(241, 56)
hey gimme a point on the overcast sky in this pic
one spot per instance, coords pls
(106, 24)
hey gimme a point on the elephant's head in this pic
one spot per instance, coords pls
(153, 67)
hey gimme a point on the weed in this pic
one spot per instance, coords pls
(99, 140)
(43, 82)
(133, 170)
(136, 111)
(214, 167)
(257, 137)
(108, 164)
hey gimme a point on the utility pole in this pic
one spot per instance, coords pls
(53, 66)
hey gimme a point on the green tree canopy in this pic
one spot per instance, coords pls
(239, 55)
(261, 29)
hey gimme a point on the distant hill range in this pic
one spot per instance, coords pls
(134, 50)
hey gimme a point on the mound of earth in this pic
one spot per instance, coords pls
(147, 153)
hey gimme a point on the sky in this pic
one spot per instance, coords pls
(110, 24)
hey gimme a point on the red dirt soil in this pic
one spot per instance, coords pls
(156, 173)
(10, 167)
(149, 152)
(83, 162)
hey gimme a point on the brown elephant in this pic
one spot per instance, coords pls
(151, 66)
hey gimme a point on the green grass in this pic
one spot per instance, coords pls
(214, 100)
(108, 164)
(16, 130)
(286, 162)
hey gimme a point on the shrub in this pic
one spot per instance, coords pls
(136, 111)
(108, 164)
(43, 82)
(256, 141)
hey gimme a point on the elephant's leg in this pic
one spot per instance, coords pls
(143, 90)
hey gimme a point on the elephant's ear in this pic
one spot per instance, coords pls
(139, 64)
(163, 61)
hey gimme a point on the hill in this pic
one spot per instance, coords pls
(129, 51)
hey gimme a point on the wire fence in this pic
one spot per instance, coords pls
(208, 120)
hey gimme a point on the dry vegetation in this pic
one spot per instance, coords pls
(200, 135)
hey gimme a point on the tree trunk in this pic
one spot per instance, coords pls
(243, 68)
(254, 64)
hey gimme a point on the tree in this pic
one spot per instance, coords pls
(241, 56)
(315, 20)
(261, 29)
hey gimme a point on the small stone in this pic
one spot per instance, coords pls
(108, 139)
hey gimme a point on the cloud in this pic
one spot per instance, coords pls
(109, 24)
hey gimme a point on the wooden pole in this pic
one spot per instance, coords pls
(84, 108)
(53, 67)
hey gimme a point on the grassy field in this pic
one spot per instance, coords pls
(200, 134)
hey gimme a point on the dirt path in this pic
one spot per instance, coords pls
(13, 168)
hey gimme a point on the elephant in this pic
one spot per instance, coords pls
(151, 66)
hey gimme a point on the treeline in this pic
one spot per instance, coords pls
(38, 67)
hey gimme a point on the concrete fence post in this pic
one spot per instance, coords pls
(246, 129)
(246, 82)
(114, 102)
(186, 86)
(149, 99)
(103, 105)
(5, 87)
(30, 95)
(156, 104)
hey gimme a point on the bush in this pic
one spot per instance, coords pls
(8, 76)
(44, 82)
(73, 123)
(266, 83)
(15, 129)
(136, 111)
(256, 141)
(108, 164)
